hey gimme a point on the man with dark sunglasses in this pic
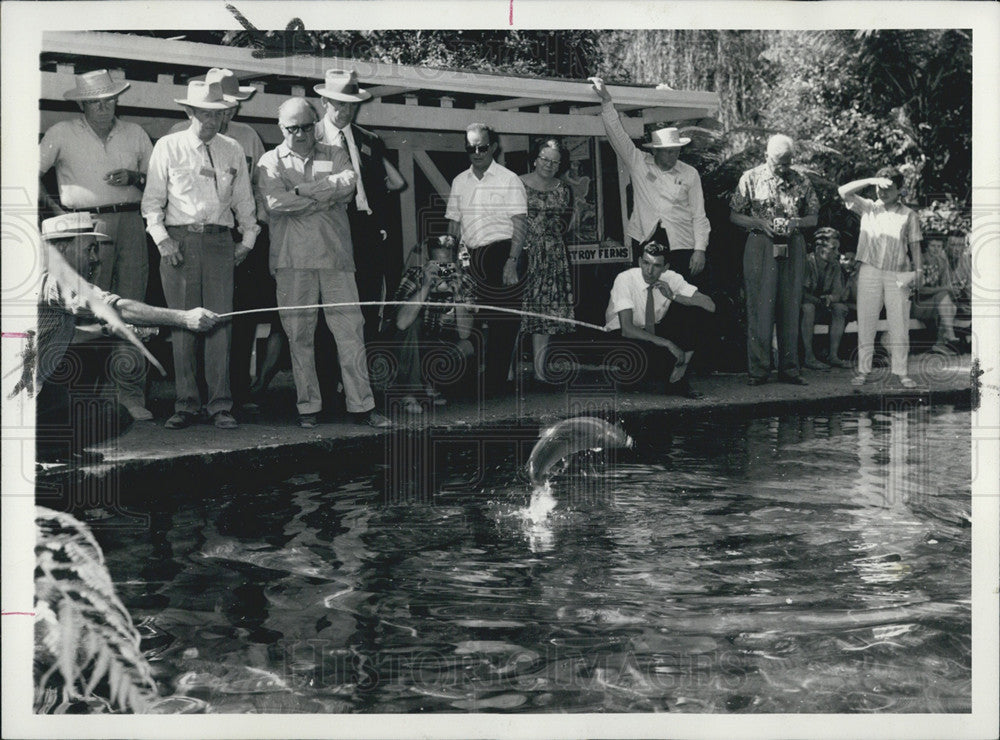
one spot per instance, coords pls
(306, 187)
(487, 210)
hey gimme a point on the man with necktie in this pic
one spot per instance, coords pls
(196, 181)
(640, 308)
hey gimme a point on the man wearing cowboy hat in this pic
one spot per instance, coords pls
(667, 193)
(70, 311)
(253, 286)
(100, 164)
(774, 203)
(377, 246)
(196, 181)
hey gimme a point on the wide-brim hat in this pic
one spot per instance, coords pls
(206, 95)
(70, 225)
(96, 85)
(231, 87)
(666, 138)
(342, 84)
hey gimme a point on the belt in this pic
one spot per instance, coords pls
(203, 228)
(113, 208)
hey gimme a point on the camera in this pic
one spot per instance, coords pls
(446, 270)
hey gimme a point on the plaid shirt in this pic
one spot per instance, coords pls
(438, 318)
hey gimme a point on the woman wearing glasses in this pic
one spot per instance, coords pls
(548, 288)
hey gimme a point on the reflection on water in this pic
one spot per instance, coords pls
(793, 564)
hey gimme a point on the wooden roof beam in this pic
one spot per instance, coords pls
(517, 103)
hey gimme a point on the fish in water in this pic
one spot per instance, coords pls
(569, 437)
(298, 560)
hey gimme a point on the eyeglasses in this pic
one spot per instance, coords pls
(305, 128)
(554, 162)
(477, 148)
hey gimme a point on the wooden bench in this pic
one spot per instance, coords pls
(852, 327)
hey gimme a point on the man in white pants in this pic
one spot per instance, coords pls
(306, 186)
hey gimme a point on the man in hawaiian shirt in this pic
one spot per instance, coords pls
(774, 203)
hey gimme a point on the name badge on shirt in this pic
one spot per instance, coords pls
(365, 149)
(232, 171)
(206, 172)
(651, 176)
(323, 166)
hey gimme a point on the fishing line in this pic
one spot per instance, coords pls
(416, 303)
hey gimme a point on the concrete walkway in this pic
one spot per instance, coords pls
(272, 433)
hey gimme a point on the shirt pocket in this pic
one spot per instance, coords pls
(182, 179)
(226, 180)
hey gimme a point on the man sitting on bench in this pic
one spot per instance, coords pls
(824, 298)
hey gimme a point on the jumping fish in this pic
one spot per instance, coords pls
(571, 436)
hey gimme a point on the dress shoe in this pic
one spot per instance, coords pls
(756, 381)
(816, 365)
(224, 420)
(792, 379)
(372, 419)
(307, 421)
(180, 420)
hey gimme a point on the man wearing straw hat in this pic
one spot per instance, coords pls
(669, 204)
(100, 164)
(196, 181)
(377, 247)
(70, 311)
(253, 286)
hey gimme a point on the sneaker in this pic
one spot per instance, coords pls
(372, 419)
(814, 364)
(224, 420)
(180, 420)
(907, 382)
(840, 363)
(137, 410)
(754, 380)
(859, 379)
(307, 421)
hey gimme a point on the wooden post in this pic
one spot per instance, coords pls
(408, 202)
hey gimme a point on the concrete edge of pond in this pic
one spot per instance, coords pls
(147, 454)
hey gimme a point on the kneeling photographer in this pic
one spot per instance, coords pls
(433, 329)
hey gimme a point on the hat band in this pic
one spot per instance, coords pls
(74, 231)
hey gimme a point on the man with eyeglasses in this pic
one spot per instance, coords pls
(100, 163)
(487, 211)
(306, 187)
(378, 254)
(196, 181)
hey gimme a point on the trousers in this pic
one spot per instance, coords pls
(877, 288)
(205, 278)
(773, 289)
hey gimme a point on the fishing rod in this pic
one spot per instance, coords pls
(417, 303)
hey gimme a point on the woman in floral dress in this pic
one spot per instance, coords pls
(548, 287)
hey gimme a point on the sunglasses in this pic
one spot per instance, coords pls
(477, 148)
(305, 128)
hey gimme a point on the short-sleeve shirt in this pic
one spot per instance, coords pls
(822, 278)
(630, 291)
(304, 234)
(440, 317)
(886, 233)
(484, 208)
(763, 194)
(82, 160)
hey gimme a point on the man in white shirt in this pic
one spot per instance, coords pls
(100, 163)
(641, 303)
(196, 181)
(487, 210)
(253, 286)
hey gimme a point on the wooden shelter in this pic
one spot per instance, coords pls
(420, 112)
